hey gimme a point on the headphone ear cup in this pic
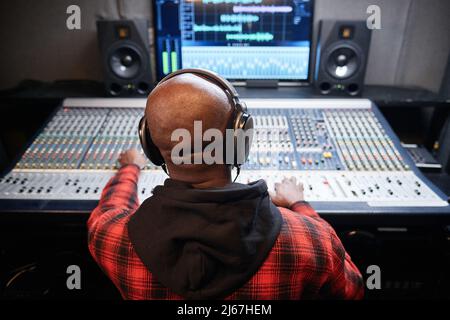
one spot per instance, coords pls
(244, 121)
(150, 149)
(249, 125)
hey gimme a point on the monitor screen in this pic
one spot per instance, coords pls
(238, 39)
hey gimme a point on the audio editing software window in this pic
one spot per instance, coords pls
(239, 39)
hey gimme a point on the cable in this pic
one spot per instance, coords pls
(238, 169)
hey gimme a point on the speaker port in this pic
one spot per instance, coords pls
(115, 89)
(353, 89)
(325, 87)
(143, 88)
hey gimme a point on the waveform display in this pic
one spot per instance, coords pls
(261, 31)
(256, 62)
(241, 20)
(238, 18)
(262, 9)
(218, 28)
(259, 36)
(231, 1)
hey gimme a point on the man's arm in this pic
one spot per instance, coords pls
(119, 197)
(119, 194)
(344, 280)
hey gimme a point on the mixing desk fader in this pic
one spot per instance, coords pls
(343, 151)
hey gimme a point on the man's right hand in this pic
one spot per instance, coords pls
(287, 193)
(132, 156)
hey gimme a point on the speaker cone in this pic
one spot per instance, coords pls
(342, 62)
(125, 62)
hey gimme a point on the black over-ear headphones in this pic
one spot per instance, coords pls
(240, 119)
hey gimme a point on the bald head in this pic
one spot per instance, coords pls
(177, 103)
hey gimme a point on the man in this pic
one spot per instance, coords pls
(200, 236)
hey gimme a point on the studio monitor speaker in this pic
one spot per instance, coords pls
(341, 57)
(124, 47)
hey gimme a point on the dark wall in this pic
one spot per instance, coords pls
(411, 48)
(39, 45)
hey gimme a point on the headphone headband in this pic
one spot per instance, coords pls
(240, 119)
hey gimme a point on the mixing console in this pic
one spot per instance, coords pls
(342, 150)
(65, 139)
(84, 138)
(117, 133)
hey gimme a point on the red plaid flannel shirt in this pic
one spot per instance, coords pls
(306, 261)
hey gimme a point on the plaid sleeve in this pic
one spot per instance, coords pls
(119, 198)
(344, 280)
(304, 208)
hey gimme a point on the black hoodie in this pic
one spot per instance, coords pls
(205, 243)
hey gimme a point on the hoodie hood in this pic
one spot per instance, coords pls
(205, 243)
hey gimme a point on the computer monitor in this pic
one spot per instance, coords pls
(238, 39)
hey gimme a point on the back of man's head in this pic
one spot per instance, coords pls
(179, 103)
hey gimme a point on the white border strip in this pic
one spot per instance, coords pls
(251, 103)
(308, 103)
(105, 102)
